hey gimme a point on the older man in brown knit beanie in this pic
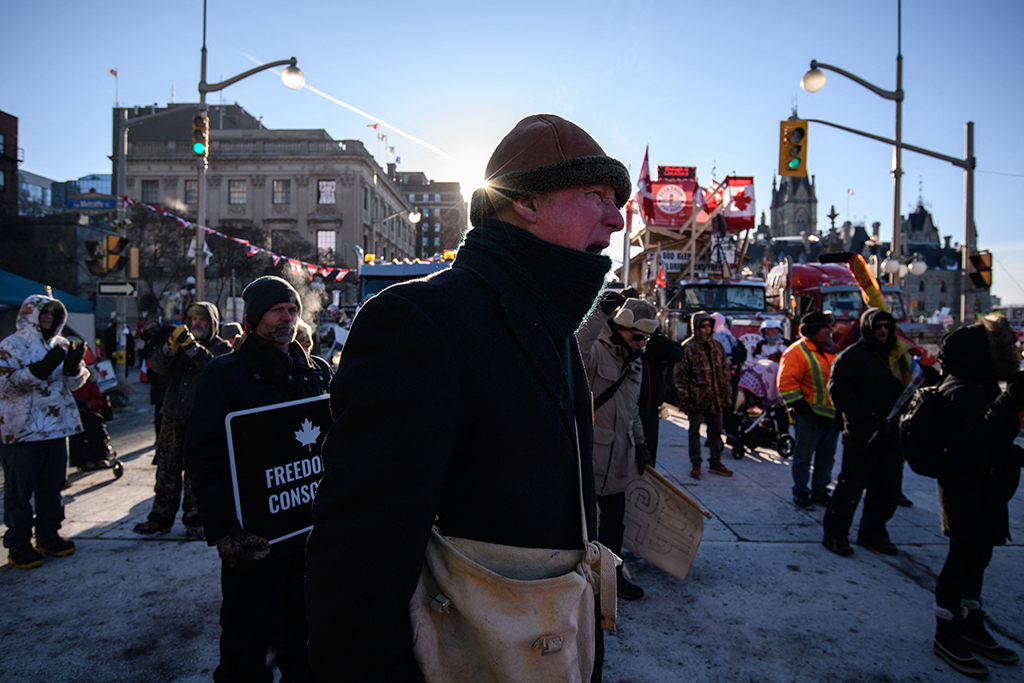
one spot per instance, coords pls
(462, 404)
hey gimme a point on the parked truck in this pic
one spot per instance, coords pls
(796, 289)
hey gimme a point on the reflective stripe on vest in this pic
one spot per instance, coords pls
(819, 401)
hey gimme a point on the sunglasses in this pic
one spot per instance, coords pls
(706, 324)
(637, 335)
(881, 326)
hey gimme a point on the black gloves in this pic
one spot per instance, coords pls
(45, 367)
(610, 300)
(242, 547)
(643, 458)
(801, 407)
(74, 358)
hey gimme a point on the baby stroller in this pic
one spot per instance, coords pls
(90, 450)
(760, 417)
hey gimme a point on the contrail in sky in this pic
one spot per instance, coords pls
(335, 100)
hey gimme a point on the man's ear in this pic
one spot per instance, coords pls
(526, 207)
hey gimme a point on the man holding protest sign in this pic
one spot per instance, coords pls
(254, 480)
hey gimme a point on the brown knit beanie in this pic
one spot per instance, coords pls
(543, 153)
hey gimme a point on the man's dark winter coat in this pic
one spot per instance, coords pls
(863, 387)
(453, 409)
(255, 375)
(182, 371)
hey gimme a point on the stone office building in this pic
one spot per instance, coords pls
(291, 184)
(443, 211)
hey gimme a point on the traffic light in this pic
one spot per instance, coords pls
(115, 256)
(200, 135)
(979, 267)
(96, 260)
(793, 148)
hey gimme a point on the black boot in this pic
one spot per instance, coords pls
(950, 646)
(627, 590)
(979, 640)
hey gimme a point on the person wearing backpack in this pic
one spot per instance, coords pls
(866, 382)
(978, 423)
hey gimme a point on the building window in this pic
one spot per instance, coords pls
(325, 192)
(325, 241)
(426, 197)
(236, 192)
(437, 197)
(3, 181)
(412, 197)
(191, 191)
(279, 239)
(150, 191)
(282, 192)
(920, 285)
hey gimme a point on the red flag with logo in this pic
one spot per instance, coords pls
(672, 203)
(737, 197)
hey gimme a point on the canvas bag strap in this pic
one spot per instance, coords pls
(597, 559)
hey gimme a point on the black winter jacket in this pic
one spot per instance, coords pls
(452, 407)
(978, 423)
(181, 371)
(863, 388)
(255, 375)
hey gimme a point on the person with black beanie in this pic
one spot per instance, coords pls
(261, 584)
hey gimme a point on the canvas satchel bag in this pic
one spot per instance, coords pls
(498, 613)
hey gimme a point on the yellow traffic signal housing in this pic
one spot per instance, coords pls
(96, 262)
(115, 256)
(979, 268)
(200, 135)
(793, 148)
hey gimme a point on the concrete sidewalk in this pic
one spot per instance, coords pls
(764, 600)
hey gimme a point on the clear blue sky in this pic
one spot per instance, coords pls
(704, 85)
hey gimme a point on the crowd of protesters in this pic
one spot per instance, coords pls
(535, 331)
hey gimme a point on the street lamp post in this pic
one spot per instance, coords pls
(291, 77)
(414, 217)
(814, 80)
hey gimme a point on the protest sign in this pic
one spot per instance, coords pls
(275, 460)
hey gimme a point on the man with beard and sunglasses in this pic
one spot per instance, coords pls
(261, 587)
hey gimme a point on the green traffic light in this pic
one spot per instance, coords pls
(198, 148)
(794, 163)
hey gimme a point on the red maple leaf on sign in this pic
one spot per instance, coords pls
(741, 200)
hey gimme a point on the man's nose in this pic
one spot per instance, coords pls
(613, 218)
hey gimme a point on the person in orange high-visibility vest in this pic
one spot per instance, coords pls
(803, 382)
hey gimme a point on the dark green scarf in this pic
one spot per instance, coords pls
(564, 283)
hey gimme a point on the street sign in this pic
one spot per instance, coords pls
(92, 203)
(117, 289)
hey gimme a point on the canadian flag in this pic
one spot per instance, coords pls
(644, 183)
(737, 198)
(660, 280)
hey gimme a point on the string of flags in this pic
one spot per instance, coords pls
(298, 267)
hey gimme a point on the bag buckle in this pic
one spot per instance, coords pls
(549, 645)
(440, 603)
